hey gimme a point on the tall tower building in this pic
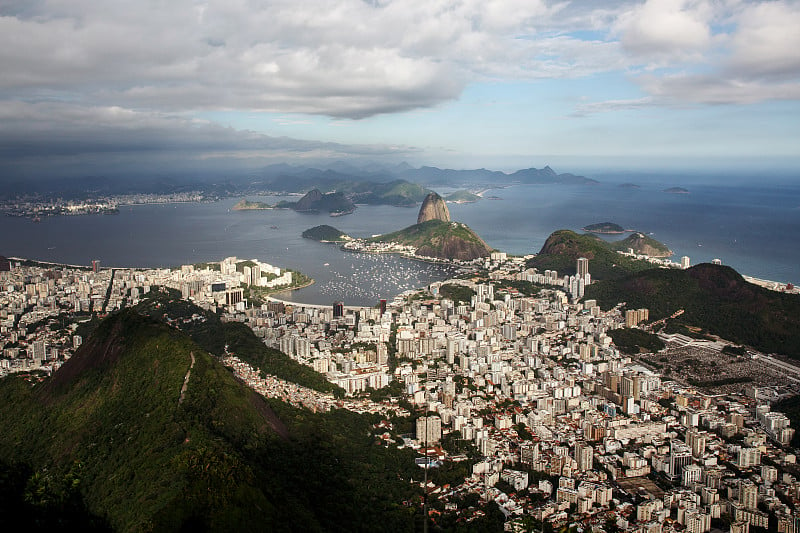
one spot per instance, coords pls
(748, 494)
(584, 456)
(338, 309)
(582, 267)
(685, 262)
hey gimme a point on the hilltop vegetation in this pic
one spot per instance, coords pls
(563, 247)
(641, 244)
(715, 298)
(213, 335)
(109, 429)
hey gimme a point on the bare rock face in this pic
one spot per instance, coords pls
(433, 208)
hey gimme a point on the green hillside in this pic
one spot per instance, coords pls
(436, 238)
(641, 244)
(715, 298)
(563, 247)
(213, 335)
(112, 429)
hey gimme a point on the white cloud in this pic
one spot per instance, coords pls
(767, 41)
(666, 29)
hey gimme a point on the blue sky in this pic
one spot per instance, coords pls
(501, 84)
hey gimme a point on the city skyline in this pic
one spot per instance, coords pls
(677, 84)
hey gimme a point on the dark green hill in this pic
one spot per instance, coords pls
(437, 238)
(113, 426)
(715, 298)
(563, 247)
(324, 233)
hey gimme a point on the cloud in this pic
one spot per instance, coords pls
(665, 29)
(591, 108)
(344, 59)
(50, 130)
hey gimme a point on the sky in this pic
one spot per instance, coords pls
(91, 87)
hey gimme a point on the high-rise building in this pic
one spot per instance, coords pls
(584, 456)
(680, 456)
(582, 267)
(383, 306)
(429, 429)
(338, 309)
(685, 262)
(748, 494)
(95, 265)
(5, 264)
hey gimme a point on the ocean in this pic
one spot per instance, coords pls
(753, 229)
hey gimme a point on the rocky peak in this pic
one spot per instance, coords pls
(433, 208)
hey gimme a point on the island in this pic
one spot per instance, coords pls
(335, 203)
(325, 233)
(676, 190)
(435, 235)
(607, 228)
(246, 205)
(462, 197)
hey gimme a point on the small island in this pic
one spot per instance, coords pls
(462, 197)
(676, 190)
(245, 205)
(606, 228)
(629, 186)
(325, 233)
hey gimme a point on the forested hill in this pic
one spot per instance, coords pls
(715, 298)
(114, 440)
(563, 247)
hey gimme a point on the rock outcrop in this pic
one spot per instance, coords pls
(433, 208)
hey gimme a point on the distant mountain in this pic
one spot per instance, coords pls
(641, 244)
(563, 247)
(548, 175)
(715, 298)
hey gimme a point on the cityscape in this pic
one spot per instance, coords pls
(561, 426)
(400, 266)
